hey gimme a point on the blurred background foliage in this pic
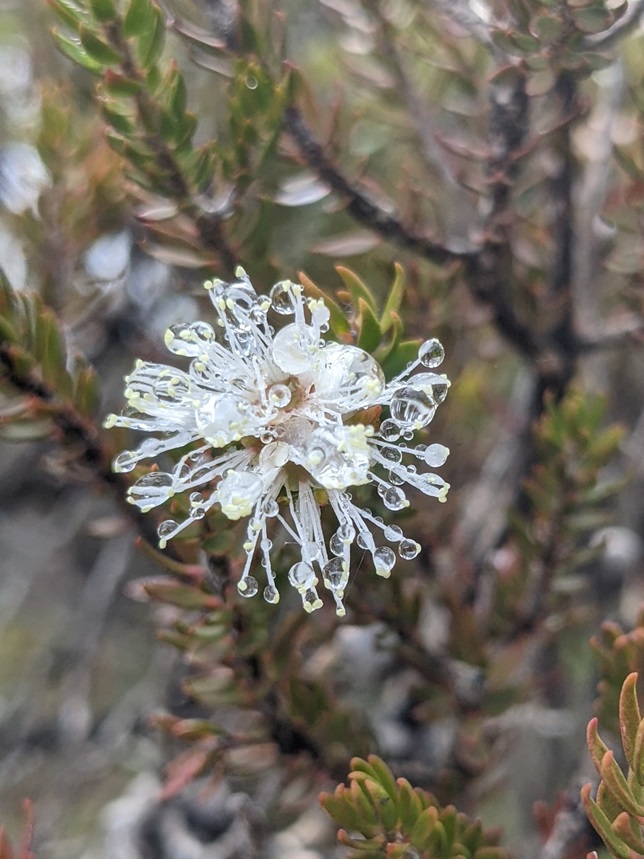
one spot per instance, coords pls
(494, 151)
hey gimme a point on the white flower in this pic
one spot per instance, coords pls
(287, 423)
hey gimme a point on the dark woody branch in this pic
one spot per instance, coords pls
(359, 205)
(483, 266)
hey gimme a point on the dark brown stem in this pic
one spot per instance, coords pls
(359, 205)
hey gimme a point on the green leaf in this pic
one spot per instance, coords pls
(103, 10)
(628, 831)
(69, 12)
(629, 717)
(120, 122)
(97, 49)
(214, 690)
(201, 172)
(638, 754)
(425, 825)
(383, 774)
(399, 358)
(340, 809)
(219, 544)
(139, 18)
(117, 84)
(547, 27)
(176, 95)
(149, 45)
(618, 786)
(592, 19)
(53, 354)
(369, 333)
(408, 809)
(73, 49)
(176, 593)
(357, 288)
(86, 392)
(394, 299)
(602, 824)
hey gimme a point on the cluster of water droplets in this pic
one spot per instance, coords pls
(274, 417)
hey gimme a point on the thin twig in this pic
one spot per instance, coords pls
(364, 210)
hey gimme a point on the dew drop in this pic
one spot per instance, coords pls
(197, 502)
(282, 298)
(271, 594)
(439, 391)
(389, 430)
(279, 395)
(365, 540)
(166, 529)
(431, 353)
(125, 461)
(311, 600)
(336, 546)
(335, 574)
(393, 454)
(393, 533)
(270, 507)
(310, 550)
(248, 587)
(384, 560)
(293, 348)
(411, 408)
(394, 498)
(301, 576)
(435, 455)
(347, 532)
(408, 549)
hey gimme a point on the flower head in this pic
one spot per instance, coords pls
(285, 422)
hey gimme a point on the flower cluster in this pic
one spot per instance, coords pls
(285, 423)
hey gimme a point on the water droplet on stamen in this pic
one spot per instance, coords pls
(248, 587)
(408, 549)
(384, 560)
(411, 408)
(282, 299)
(125, 461)
(270, 507)
(431, 353)
(389, 430)
(394, 498)
(301, 576)
(393, 533)
(335, 575)
(279, 395)
(271, 594)
(435, 455)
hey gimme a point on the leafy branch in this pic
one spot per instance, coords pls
(386, 818)
(144, 104)
(59, 389)
(617, 811)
